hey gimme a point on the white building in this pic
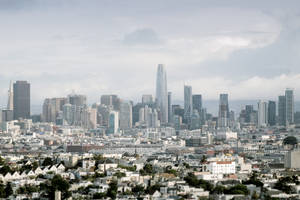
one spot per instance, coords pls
(221, 167)
(262, 114)
(125, 115)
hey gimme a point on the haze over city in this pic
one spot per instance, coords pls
(102, 47)
(149, 100)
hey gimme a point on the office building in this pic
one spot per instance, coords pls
(51, 108)
(188, 104)
(272, 113)
(289, 105)
(125, 115)
(113, 122)
(147, 99)
(10, 103)
(111, 100)
(223, 118)
(281, 111)
(162, 93)
(170, 115)
(197, 102)
(21, 100)
(7, 115)
(77, 99)
(262, 114)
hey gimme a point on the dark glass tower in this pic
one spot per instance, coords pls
(21, 100)
(281, 111)
(272, 113)
(197, 102)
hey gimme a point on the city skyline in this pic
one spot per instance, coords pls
(228, 55)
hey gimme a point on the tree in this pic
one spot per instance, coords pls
(219, 189)
(193, 181)
(112, 190)
(138, 189)
(203, 159)
(99, 196)
(5, 169)
(254, 180)
(152, 189)
(2, 161)
(290, 140)
(58, 183)
(237, 189)
(2, 190)
(147, 170)
(47, 161)
(8, 190)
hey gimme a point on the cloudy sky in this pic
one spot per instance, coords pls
(250, 49)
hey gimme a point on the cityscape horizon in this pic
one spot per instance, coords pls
(149, 100)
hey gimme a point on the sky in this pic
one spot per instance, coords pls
(249, 49)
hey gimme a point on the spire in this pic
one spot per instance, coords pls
(10, 103)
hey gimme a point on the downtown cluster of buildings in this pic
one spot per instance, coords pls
(114, 115)
(153, 149)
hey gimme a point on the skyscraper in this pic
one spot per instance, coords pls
(281, 111)
(113, 122)
(197, 102)
(289, 103)
(170, 115)
(188, 103)
(147, 99)
(262, 114)
(162, 93)
(77, 99)
(223, 119)
(272, 113)
(21, 100)
(125, 115)
(10, 103)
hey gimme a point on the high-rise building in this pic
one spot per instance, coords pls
(195, 120)
(262, 114)
(289, 103)
(142, 115)
(249, 110)
(281, 111)
(170, 115)
(188, 103)
(162, 93)
(147, 99)
(7, 115)
(51, 108)
(223, 118)
(272, 113)
(125, 115)
(111, 100)
(10, 103)
(113, 122)
(21, 100)
(197, 102)
(77, 99)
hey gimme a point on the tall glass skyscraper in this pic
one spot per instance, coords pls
(289, 103)
(188, 103)
(21, 96)
(162, 93)
(197, 102)
(262, 114)
(272, 113)
(223, 119)
(281, 111)
(170, 115)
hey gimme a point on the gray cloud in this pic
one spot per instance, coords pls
(144, 36)
(64, 45)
